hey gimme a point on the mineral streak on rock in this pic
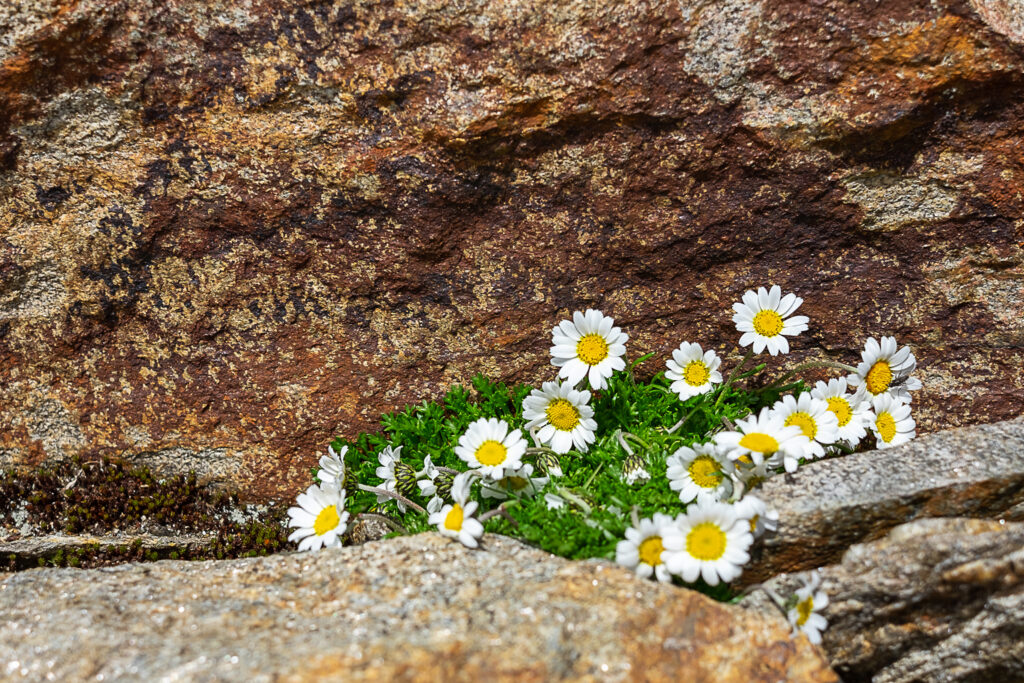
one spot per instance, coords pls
(244, 228)
(935, 600)
(420, 608)
(830, 505)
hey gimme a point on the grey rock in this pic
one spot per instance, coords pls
(938, 600)
(35, 547)
(412, 608)
(829, 505)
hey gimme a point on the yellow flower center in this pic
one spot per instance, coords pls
(803, 610)
(650, 550)
(879, 377)
(453, 520)
(767, 323)
(705, 472)
(491, 453)
(841, 407)
(886, 427)
(706, 541)
(696, 374)
(327, 520)
(562, 415)
(804, 422)
(762, 443)
(592, 349)
(753, 523)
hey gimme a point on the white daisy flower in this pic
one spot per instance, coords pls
(758, 514)
(491, 447)
(562, 415)
(320, 517)
(456, 520)
(762, 318)
(646, 547)
(765, 438)
(588, 346)
(850, 409)
(693, 370)
(885, 368)
(517, 483)
(804, 615)
(750, 474)
(890, 421)
(813, 418)
(715, 543)
(699, 472)
(332, 467)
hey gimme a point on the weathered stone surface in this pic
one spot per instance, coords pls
(829, 505)
(938, 600)
(29, 551)
(416, 608)
(230, 231)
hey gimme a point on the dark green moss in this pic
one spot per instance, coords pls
(98, 497)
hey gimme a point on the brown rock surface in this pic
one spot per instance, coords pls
(938, 600)
(415, 608)
(828, 506)
(230, 231)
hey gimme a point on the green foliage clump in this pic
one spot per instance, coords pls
(603, 503)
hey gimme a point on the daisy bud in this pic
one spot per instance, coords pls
(633, 468)
(405, 479)
(548, 462)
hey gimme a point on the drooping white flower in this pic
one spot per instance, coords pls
(554, 502)
(646, 547)
(693, 371)
(715, 543)
(456, 520)
(763, 318)
(764, 437)
(758, 514)
(851, 410)
(890, 421)
(588, 346)
(805, 614)
(320, 518)
(699, 472)
(332, 467)
(428, 485)
(814, 419)
(885, 368)
(490, 446)
(562, 415)
(518, 483)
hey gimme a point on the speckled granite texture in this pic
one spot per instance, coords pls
(420, 608)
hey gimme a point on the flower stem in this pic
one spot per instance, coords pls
(392, 494)
(808, 366)
(732, 376)
(500, 510)
(573, 498)
(622, 442)
(395, 526)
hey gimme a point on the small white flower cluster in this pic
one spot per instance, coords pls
(711, 538)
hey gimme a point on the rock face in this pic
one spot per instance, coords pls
(938, 600)
(230, 231)
(829, 505)
(417, 608)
